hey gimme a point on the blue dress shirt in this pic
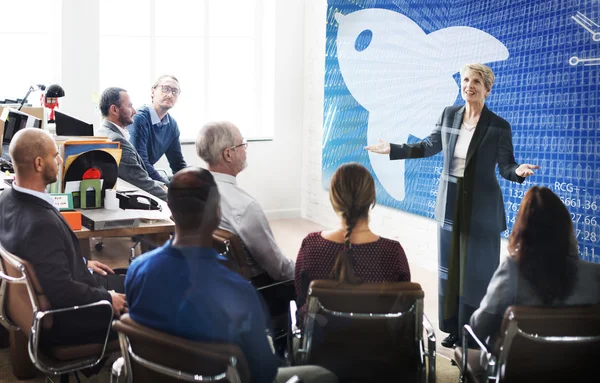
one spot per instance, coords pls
(187, 292)
(153, 137)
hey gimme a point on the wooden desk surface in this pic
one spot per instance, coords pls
(152, 227)
(163, 226)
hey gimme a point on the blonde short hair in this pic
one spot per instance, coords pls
(484, 71)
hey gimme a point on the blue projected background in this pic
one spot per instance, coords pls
(545, 55)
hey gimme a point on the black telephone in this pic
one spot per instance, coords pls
(137, 201)
(6, 165)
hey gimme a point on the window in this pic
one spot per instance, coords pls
(220, 50)
(30, 36)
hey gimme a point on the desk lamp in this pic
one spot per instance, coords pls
(50, 99)
(31, 89)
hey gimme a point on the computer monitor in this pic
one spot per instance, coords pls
(70, 126)
(16, 121)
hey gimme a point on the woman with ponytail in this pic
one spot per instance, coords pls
(352, 253)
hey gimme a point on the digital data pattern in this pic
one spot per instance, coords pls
(546, 57)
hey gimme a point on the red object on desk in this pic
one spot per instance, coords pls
(73, 218)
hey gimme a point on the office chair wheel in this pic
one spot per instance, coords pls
(99, 246)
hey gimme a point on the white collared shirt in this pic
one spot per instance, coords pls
(457, 168)
(43, 196)
(154, 119)
(242, 215)
(123, 130)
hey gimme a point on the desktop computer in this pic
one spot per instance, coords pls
(67, 125)
(15, 121)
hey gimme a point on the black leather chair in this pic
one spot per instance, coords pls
(366, 332)
(153, 356)
(536, 344)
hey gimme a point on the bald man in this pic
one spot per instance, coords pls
(183, 289)
(32, 228)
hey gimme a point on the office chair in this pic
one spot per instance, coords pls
(536, 344)
(366, 332)
(26, 312)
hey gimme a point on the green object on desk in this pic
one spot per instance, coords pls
(97, 186)
(64, 201)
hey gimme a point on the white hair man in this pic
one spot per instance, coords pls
(221, 146)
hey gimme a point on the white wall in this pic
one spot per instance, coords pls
(418, 235)
(274, 167)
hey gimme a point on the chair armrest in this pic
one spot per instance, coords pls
(430, 354)
(8, 278)
(37, 320)
(467, 330)
(163, 172)
(294, 320)
(292, 332)
(117, 370)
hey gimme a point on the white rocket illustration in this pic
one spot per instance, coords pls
(403, 76)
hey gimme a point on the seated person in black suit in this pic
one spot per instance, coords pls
(32, 228)
(183, 289)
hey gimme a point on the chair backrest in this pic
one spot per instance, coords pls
(140, 345)
(548, 343)
(365, 331)
(231, 247)
(22, 293)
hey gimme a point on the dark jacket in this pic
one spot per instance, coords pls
(491, 145)
(131, 166)
(34, 230)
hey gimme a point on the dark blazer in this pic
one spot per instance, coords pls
(491, 144)
(508, 287)
(34, 230)
(131, 166)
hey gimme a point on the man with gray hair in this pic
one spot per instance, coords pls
(221, 146)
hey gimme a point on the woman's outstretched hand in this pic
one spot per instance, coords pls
(526, 170)
(382, 147)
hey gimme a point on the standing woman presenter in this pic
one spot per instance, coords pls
(469, 206)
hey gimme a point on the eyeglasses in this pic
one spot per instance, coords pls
(244, 144)
(167, 89)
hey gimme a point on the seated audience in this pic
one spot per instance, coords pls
(154, 131)
(32, 228)
(221, 146)
(183, 289)
(352, 253)
(543, 268)
(117, 110)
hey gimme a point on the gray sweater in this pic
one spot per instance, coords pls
(508, 288)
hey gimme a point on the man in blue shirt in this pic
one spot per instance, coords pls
(154, 131)
(182, 289)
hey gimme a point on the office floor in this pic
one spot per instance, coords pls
(289, 234)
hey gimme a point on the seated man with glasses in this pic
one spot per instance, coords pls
(154, 131)
(221, 146)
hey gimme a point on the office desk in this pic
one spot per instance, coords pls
(156, 232)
